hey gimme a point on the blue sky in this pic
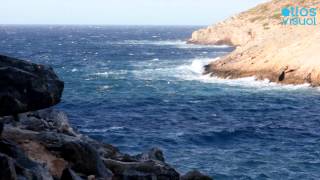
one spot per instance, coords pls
(120, 12)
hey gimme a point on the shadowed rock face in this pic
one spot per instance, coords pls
(26, 86)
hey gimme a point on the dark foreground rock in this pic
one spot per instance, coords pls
(195, 175)
(43, 146)
(50, 151)
(69, 174)
(26, 86)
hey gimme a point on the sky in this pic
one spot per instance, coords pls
(121, 12)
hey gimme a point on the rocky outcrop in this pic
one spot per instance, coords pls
(195, 175)
(43, 146)
(26, 86)
(264, 47)
(60, 154)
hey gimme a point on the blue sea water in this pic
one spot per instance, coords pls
(142, 87)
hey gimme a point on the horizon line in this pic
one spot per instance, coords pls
(64, 24)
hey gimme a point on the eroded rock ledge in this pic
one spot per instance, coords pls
(41, 145)
(44, 146)
(265, 48)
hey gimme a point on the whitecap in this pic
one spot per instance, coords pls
(253, 83)
(148, 53)
(101, 74)
(74, 70)
(183, 72)
(110, 73)
(193, 71)
(102, 130)
(177, 43)
(106, 87)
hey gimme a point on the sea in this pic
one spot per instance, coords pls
(139, 87)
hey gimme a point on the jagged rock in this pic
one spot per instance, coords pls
(195, 175)
(7, 169)
(1, 128)
(86, 156)
(144, 170)
(47, 120)
(91, 177)
(69, 174)
(153, 154)
(84, 159)
(105, 150)
(79, 150)
(26, 86)
(24, 167)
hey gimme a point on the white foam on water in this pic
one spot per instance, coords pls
(196, 69)
(102, 130)
(149, 53)
(106, 87)
(176, 43)
(107, 74)
(165, 71)
(193, 71)
(110, 73)
(196, 66)
(252, 82)
(102, 74)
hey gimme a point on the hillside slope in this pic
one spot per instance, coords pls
(265, 48)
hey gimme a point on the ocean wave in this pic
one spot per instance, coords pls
(196, 69)
(223, 136)
(102, 130)
(252, 82)
(177, 43)
(190, 70)
(193, 71)
(110, 73)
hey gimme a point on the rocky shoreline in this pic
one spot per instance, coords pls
(264, 47)
(41, 145)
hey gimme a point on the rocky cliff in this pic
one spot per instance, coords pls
(41, 145)
(266, 48)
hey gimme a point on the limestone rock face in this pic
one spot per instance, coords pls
(265, 48)
(25, 86)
